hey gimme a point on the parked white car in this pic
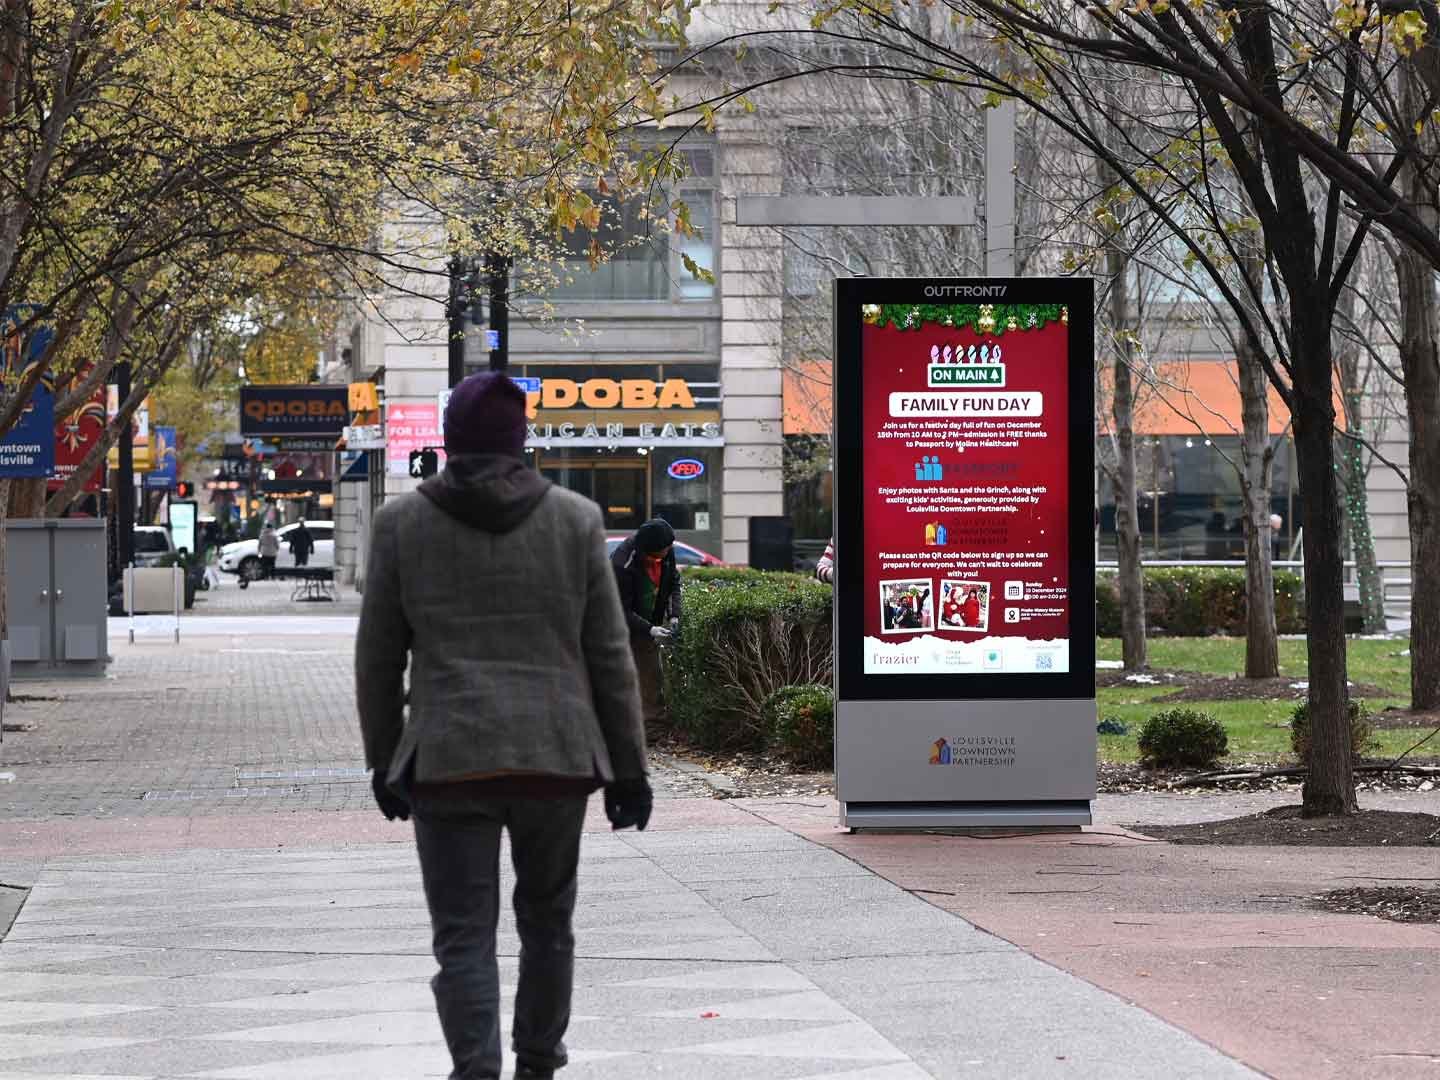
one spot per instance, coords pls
(243, 557)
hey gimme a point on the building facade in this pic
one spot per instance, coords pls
(651, 391)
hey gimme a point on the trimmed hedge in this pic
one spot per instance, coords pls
(744, 634)
(1196, 601)
(801, 724)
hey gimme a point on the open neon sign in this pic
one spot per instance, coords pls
(686, 469)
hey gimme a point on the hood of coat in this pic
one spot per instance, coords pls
(493, 492)
(628, 559)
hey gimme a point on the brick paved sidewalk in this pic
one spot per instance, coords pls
(225, 597)
(719, 948)
(230, 723)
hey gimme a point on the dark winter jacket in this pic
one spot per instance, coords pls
(302, 543)
(495, 587)
(630, 575)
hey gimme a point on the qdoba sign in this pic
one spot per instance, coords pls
(279, 411)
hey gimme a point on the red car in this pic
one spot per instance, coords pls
(685, 555)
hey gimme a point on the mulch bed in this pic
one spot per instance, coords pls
(746, 774)
(1397, 903)
(1284, 826)
(1124, 778)
(1195, 686)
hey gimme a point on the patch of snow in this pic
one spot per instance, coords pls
(1299, 686)
(1109, 665)
(1147, 680)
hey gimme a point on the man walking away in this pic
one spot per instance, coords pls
(269, 549)
(649, 584)
(302, 543)
(523, 700)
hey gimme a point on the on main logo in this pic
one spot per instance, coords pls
(977, 365)
(940, 753)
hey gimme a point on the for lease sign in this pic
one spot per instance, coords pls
(409, 428)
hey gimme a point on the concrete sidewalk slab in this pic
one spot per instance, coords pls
(267, 962)
(1221, 941)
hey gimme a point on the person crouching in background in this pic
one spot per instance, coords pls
(649, 584)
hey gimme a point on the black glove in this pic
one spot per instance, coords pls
(629, 802)
(391, 805)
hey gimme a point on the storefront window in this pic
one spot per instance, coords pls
(700, 247)
(1189, 498)
(685, 483)
(638, 267)
(808, 485)
(618, 485)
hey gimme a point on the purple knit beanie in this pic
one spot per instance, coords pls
(486, 415)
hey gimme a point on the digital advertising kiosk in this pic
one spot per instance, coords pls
(965, 569)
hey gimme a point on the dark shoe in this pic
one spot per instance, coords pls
(525, 1072)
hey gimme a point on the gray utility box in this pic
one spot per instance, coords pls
(58, 602)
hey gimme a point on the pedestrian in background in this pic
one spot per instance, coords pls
(494, 587)
(825, 568)
(269, 549)
(302, 543)
(649, 584)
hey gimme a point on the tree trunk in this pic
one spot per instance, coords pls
(27, 498)
(1354, 474)
(4, 560)
(1421, 367)
(1262, 649)
(1421, 364)
(1130, 580)
(1329, 784)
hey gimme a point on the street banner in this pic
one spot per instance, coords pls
(165, 469)
(965, 647)
(28, 448)
(76, 434)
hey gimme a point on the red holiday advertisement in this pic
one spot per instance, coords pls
(965, 480)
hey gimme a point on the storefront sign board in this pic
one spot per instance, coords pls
(965, 648)
(279, 411)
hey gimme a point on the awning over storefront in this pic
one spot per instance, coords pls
(1194, 397)
(807, 397)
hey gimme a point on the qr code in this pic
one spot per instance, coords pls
(1044, 662)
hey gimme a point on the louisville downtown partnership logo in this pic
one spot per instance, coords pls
(985, 751)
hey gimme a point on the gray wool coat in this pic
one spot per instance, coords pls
(518, 650)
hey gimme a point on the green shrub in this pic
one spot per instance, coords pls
(1196, 601)
(1112, 725)
(1362, 730)
(1182, 737)
(1107, 606)
(801, 724)
(744, 635)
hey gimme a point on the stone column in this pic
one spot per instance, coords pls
(751, 266)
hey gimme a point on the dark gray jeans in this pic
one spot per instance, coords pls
(459, 843)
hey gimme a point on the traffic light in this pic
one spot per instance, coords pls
(184, 489)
